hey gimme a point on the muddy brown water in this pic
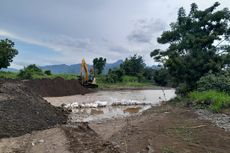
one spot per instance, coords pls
(104, 105)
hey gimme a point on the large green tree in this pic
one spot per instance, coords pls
(133, 66)
(198, 44)
(99, 64)
(7, 53)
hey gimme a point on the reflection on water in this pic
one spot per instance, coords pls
(116, 97)
(96, 112)
(132, 110)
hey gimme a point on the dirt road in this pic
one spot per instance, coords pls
(166, 129)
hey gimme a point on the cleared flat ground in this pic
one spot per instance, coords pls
(164, 129)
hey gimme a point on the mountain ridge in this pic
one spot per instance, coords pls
(75, 68)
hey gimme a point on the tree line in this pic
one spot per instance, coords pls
(198, 50)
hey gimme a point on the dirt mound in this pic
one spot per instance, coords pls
(56, 87)
(22, 111)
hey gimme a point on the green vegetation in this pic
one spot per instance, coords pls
(127, 82)
(33, 72)
(114, 76)
(134, 66)
(99, 64)
(131, 73)
(215, 100)
(162, 77)
(220, 82)
(47, 72)
(8, 75)
(7, 53)
(197, 61)
(29, 72)
(192, 52)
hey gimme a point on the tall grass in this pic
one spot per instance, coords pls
(14, 75)
(8, 75)
(215, 100)
(127, 82)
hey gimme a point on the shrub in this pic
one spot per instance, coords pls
(25, 74)
(215, 100)
(30, 71)
(214, 82)
(114, 76)
(47, 72)
(11, 75)
(162, 77)
(129, 79)
(182, 89)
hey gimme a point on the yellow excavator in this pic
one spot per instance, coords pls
(87, 79)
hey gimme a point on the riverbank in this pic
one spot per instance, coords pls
(168, 128)
(33, 124)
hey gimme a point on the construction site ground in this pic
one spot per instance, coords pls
(168, 128)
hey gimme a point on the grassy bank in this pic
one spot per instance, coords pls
(126, 82)
(214, 100)
(14, 75)
(103, 85)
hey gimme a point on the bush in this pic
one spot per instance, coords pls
(129, 79)
(215, 100)
(214, 82)
(114, 76)
(47, 72)
(7, 75)
(29, 72)
(182, 89)
(23, 74)
(149, 73)
(162, 77)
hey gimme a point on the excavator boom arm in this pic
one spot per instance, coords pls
(84, 68)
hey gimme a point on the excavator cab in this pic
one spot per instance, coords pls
(87, 79)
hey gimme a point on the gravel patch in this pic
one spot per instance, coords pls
(220, 120)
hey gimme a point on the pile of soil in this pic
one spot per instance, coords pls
(56, 87)
(23, 111)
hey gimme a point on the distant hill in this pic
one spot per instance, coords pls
(75, 68)
(10, 70)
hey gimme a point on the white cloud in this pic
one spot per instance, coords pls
(86, 28)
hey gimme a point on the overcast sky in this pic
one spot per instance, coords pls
(65, 31)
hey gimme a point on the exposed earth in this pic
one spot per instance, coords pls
(23, 111)
(56, 87)
(168, 128)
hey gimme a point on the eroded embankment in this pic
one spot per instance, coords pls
(23, 111)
